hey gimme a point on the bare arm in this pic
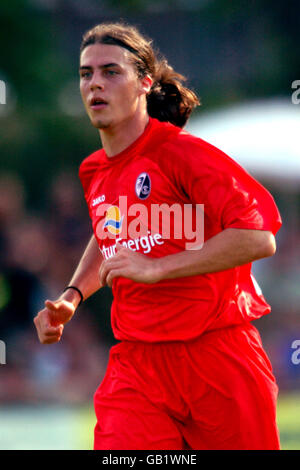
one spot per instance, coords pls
(86, 275)
(50, 321)
(226, 250)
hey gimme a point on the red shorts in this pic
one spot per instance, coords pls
(216, 392)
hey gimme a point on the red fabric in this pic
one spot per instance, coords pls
(216, 392)
(183, 169)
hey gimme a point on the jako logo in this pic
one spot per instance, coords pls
(2, 352)
(113, 220)
(98, 200)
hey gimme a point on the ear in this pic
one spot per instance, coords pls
(146, 84)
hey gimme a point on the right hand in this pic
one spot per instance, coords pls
(50, 321)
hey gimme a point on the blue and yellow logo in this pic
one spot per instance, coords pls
(113, 220)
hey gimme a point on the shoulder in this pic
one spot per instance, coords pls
(178, 148)
(91, 162)
(190, 160)
(175, 140)
(88, 167)
(185, 150)
(187, 146)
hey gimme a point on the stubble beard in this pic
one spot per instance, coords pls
(99, 124)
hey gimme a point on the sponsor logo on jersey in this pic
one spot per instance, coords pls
(113, 220)
(143, 186)
(142, 244)
(98, 200)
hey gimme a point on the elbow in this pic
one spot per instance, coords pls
(268, 247)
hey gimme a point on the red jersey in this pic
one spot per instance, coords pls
(168, 167)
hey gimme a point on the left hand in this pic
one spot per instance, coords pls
(129, 264)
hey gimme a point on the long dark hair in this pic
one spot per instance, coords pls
(168, 100)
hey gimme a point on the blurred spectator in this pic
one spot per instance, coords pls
(37, 257)
(20, 294)
(68, 214)
(12, 199)
(68, 228)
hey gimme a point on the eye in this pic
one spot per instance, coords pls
(85, 74)
(111, 72)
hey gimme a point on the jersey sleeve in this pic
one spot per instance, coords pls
(232, 198)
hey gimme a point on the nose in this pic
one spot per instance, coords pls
(96, 82)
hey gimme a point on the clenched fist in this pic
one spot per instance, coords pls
(50, 321)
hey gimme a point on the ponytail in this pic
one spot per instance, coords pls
(168, 100)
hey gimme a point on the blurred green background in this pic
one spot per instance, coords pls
(233, 53)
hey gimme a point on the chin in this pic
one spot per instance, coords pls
(100, 124)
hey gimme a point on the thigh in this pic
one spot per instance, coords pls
(127, 420)
(231, 424)
(237, 407)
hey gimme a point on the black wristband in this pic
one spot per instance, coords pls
(79, 292)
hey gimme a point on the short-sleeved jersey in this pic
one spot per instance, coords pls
(165, 171)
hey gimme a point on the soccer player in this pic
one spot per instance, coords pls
(189, 371)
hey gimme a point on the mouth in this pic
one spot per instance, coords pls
(97, 103)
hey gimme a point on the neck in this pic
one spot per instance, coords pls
(117, 138)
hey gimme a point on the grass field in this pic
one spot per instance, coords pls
(289, 421)
(53, 427)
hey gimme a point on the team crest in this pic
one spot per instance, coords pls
(143, 186)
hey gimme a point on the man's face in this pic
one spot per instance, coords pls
(110, 88)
